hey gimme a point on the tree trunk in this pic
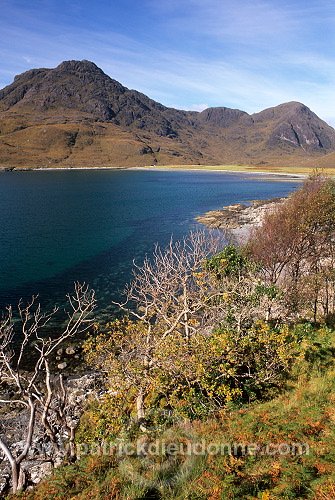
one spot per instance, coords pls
(140, 408)
(186, 325)
(15, 467)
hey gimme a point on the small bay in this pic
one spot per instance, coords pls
(58, 227)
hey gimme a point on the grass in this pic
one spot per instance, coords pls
(268, 169)
(52, 144)
(280, 449)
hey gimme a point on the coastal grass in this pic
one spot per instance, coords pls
(302, 171)
(263, 169)
(292, 437)
(304, 417)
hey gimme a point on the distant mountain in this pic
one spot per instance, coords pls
(76, 115)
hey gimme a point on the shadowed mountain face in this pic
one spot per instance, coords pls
(75, 115)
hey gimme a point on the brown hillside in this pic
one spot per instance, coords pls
(75, 115)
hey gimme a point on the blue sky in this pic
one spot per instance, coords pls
(187, 54)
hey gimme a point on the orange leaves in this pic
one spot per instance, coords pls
(325, 491)
(210, 485)
(295, 246)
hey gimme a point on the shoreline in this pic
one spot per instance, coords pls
(271, 176)
(224, 171)
(239, 219)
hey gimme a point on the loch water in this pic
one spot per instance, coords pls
(58, 227)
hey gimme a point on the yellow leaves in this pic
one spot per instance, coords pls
(227, 297)
(195, 373)
(201, 278)
(261, 329)
(193, 322)
(228, 393)
(323, 331)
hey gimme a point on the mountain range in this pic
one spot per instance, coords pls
(77, 116)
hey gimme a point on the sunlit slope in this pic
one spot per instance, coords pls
(75, 115)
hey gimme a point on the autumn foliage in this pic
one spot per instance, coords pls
(295, 248)
(221, 344)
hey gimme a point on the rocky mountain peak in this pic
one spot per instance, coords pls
(221, 116)
(294, 124)
(79, 92)
(83, 66)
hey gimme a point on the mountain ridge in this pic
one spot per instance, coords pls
(76, 115)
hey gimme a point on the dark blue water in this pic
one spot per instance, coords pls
(62, 226)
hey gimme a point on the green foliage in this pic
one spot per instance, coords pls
(228, 263)
(209, 360)
(195, 377)
(294, 457)
(106, 418)
(270, 291)
(315, 352)
(92, 478)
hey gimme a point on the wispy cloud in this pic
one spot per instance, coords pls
(247, 55)
(249, 22)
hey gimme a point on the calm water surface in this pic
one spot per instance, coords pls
(62, 226)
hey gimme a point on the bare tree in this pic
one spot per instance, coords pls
(172, 293)
(194, 337)
(179, 297)
(34, 389)
(172, 287)
(297, 241)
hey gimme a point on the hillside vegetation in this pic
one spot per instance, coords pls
(220, 372)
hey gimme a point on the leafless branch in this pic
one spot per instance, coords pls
(34, 389)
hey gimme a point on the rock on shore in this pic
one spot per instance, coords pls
(237, 220)
(43, 456)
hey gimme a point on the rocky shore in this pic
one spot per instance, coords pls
(43, 457)
(237, 220)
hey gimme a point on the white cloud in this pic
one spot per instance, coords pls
(247, 55)
(199, 107)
